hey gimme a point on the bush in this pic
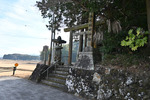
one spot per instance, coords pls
(126, 60)
(135, 39)
(111, 43)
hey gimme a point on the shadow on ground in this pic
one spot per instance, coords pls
(14, 88)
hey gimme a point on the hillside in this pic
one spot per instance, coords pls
(20, 57)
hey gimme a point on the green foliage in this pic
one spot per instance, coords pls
(42, 54)
(135, 39)
(65, 13)
(127, 60)
(128, 12)
(111, 43)
(65, 51)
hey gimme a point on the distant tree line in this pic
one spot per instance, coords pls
(65, 51)
(42, 55)
(20, 57)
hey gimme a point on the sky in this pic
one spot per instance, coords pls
(22, 28)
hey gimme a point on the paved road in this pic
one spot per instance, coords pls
(13, 88)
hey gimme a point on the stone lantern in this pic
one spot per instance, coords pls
(58, 46)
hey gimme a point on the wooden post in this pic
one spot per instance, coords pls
(85, 40)
(81, 43)
(70, 48)
(82, 26)
(93, 26)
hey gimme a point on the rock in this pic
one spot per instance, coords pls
(96, 78)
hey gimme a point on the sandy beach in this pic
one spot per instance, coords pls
(24, 70)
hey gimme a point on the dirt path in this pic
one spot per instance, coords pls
(24, 70)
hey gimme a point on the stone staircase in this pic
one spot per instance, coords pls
(57, 78)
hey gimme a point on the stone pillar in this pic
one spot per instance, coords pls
(57, 54)
(45, 50)
(90, 29)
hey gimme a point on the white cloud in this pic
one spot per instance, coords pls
(22, 28)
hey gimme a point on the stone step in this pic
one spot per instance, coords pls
(62, 69)
(57, 80)
(58, 75)
(63, 66)
(55, 85)
(60, 72)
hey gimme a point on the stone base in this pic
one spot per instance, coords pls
(85, 61)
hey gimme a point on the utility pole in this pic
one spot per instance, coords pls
(52, 36)
(50, 52)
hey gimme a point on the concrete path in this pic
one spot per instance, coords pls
(13, 88)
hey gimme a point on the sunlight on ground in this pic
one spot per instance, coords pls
(24, 69)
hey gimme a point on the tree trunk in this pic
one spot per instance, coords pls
(148, 18)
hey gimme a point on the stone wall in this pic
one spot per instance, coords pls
(109, 84)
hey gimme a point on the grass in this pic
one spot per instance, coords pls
(127, 60)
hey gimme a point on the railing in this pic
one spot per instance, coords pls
(47, 70)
